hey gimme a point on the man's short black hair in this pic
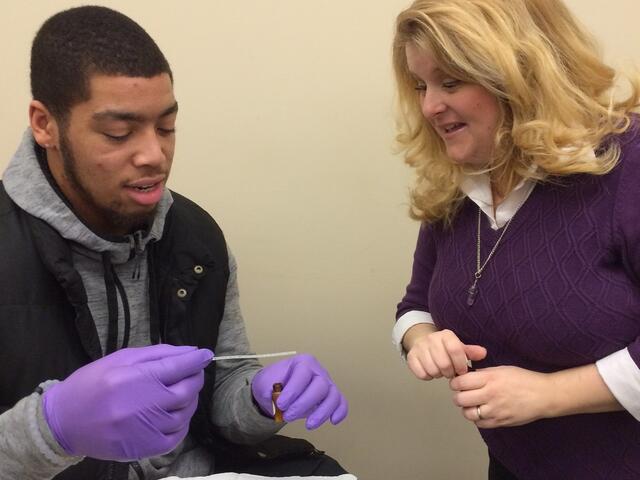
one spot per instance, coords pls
(77, 43)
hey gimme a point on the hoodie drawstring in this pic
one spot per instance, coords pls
(125, 307)
(154, 314)
(112, 304)
(136, 252)
(114, 287)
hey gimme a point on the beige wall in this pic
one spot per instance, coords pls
(285, 136)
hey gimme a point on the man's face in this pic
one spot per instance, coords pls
(116, 151)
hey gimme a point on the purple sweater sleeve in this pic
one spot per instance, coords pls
(627, 224)
(424, 259)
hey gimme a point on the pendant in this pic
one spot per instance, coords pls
(473, 292)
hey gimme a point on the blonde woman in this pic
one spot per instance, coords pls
(528, 259)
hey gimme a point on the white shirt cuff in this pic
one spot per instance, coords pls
(404, 323)
(622, 376)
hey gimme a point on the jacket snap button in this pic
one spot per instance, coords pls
(198, 269)
(182, 293)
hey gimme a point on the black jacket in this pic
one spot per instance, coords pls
(46, 327)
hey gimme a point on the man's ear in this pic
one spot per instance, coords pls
(44, 125)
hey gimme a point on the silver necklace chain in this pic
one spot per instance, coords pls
(473, 289)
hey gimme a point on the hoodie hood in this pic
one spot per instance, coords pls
(29, 187)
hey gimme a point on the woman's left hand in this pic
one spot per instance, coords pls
(502, 396)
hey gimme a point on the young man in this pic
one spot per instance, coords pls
(115, 292)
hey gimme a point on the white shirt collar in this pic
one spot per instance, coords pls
(478, 189)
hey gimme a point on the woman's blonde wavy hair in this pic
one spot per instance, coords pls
(555, 93)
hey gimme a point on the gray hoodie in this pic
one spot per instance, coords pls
(27, 448)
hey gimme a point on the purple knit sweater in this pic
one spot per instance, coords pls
(562, 290)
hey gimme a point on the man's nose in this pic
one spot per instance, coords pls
(151, 150)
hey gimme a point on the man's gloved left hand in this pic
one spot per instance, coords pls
(308, 391)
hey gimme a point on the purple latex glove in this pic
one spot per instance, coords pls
(131, 404)
(308, 391)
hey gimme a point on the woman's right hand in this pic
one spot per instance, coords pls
(434, 353)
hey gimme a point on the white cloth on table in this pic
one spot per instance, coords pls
(246, 476)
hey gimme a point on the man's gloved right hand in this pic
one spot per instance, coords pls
(131, 404)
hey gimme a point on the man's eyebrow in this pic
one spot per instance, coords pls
(130, 116)
(172, 109)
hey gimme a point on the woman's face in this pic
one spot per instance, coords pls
(465, 115)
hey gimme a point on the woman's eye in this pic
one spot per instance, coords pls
(420, 87)
(451, 83)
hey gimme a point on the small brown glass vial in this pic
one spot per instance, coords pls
(275, 393)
